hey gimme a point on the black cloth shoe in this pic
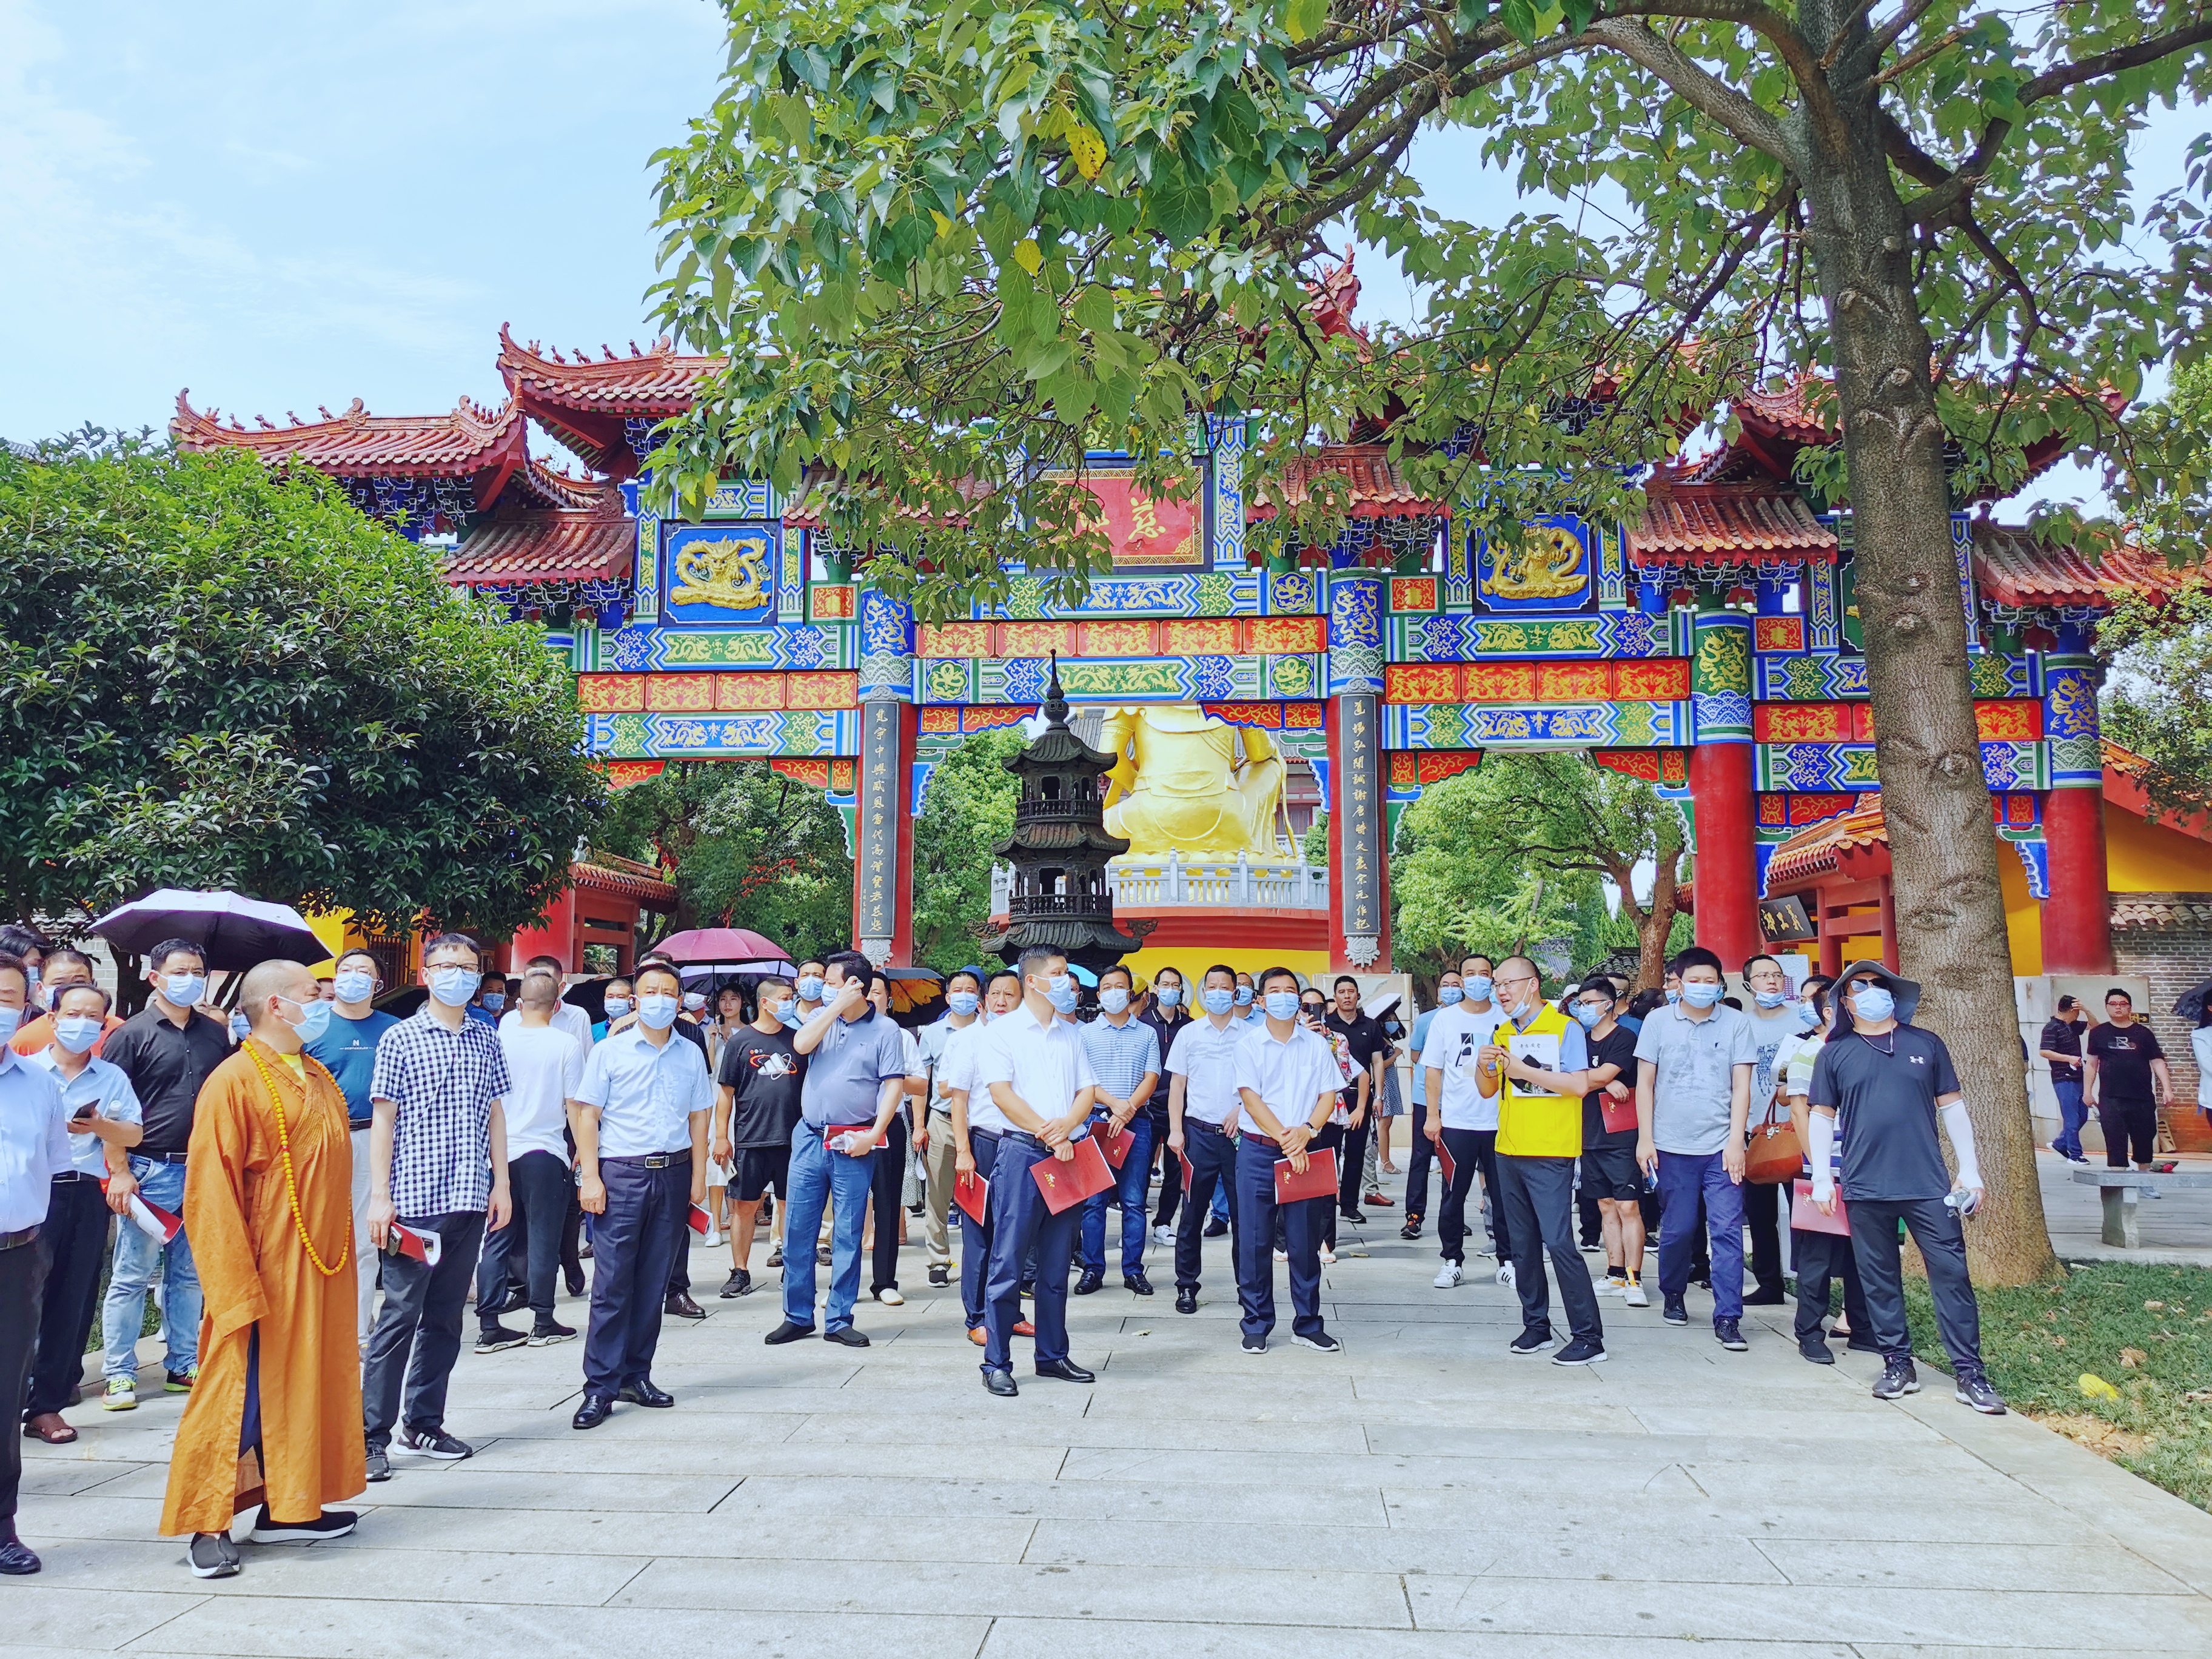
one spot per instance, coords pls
(1582, 1351)
(1676, 1311)
(1974, 1390)
(547, 1332)
(497, 1339)
(1729, 1332)
(848, 1336)
(17, 1560)
(1186, 1300)
(1091, 1279)
(1530, 1341)
(1255, 1345)
(211, 1555)
(331, 1523)
(788, 1331)
(1765, 1296)
(1000, 1383)
(940, 1276)
(1897, 1379)
(640, 1391)
(1215, 1227)
(739, 1283)
(1815, 1350)
(1861, 1345)
(1065, 1370)
(1319, 1342)
(575, 1284)
(593, 1411)
(1029, 1290)
(681, 1304)
(1411, 1229)
(1137, 1282)
(1355, 1217)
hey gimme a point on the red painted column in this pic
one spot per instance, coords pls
(1727, 868)
(2077, 917)
(1338, 961)
(902, 865)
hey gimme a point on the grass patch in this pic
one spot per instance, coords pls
(2147, 1331)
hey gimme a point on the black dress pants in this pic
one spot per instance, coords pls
(647, 1212)
(1935, 1228)
(22, 1277)
(75, 1240)
(1762, 1214)
(1418, 1159)
(417, 1334)
(528, 1250)
(1351, 1165)
(1821, 1259)
(1538, 1210)
(884, 1187)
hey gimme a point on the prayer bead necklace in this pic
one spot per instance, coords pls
(291, 1185)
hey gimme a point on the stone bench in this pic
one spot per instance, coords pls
(2121, 1189)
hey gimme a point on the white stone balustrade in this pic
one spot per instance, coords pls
(1244, 883)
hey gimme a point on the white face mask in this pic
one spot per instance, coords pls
(657, 1011)
(1113, 1000)
(455, 986)
(184, 990)
(354, 986)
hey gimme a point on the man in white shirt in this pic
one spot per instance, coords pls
(567, 1017)
(1202, 1109)
(1033, 1065)
(640, 1127)
(544, 1066)
(969, 1108)
(1287, 1080)
(933, 1135)
(1457, 1117)
(33, 1149)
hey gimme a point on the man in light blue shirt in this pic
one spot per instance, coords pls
(33, 1149)
(1124, 1052)
(641, 1155)
(104, 1120)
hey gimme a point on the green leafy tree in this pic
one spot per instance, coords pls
(215, 676)
(747, 847)
(968, 811)
(949, 248)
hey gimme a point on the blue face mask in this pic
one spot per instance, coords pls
(1217, 1000)
(241, 1027)
(354, 986)
(1589, 1014)
(790, 1016)
(1060, 991)
(1873, 1004)
(1809, 1016)
(1448, 994)
(1282, 1004)
(617, 1007)
(494, 1001)
(184, 990)
(658, 1012)
(314, 1018)
(1478, 986)
(809, 988)
(1673, 996)
(455, 986)
(1114, 1001)
(77, 1032)
(963, 1003)
(1167, 996)
(1770, 999)
(1699, 995)
(1243, 996)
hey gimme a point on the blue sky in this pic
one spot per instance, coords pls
(283, 205)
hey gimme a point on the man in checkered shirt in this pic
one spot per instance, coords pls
(438, 1165)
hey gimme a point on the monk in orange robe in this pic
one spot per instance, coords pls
(276, 1417)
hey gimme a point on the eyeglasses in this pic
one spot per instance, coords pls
(1518, 979)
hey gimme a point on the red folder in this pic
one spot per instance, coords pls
(1116, 1144)
(1318, 1181)
(1189, 1175)
(972, 1194)
(1446, 1162)
(1617, 1115)
(424, 1247)
(1063, 1184)
(1805, 1215)
(832, 1131)
(702, 1222)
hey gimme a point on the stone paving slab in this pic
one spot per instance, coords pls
(1424, 1493)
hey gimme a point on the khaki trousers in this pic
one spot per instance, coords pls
(937, 1202)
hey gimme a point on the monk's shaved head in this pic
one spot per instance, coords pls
(279, 978)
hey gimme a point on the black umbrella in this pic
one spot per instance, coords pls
(232, 932)
(2190, 1008)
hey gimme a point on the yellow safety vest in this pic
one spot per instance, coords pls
(1534, 1123)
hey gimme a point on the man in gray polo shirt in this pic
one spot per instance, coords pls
(855, 1076)
(1693, 1066)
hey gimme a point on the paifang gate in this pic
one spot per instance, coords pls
(1710, 647)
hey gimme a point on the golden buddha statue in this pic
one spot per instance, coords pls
(1181, 784)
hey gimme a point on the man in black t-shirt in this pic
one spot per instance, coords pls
(2061, 1045)
(756, 1105)
(1882, 1084)
(2128, 1081)
(1608, 1164)
(1368, 1045)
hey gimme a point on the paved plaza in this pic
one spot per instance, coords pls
(1422, 1493)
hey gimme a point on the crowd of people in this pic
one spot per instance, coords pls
(320, 1188)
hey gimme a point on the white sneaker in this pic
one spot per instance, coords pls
(1634, 1296)
(890, 1297)
(1611, 1286)
(1328, 1256)
(1165, 1235)
(1282, 1255)
(1505, 1275)
(1447, 1276)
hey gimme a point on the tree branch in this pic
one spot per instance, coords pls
(2060, 77)
(1702, 90)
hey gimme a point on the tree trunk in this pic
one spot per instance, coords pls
(1653, 927)
(1943, 854)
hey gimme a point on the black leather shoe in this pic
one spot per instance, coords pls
(788, 1331)
(1816, 1350)
(846, 1335)
(1766, 1296)
(1091, 1279)
(1137, 1282)
(17, 1560)
(1215, 1229)
(1355, 1217)
(1186, 1300)
(594, 1411)
(1065, 1370)
(1000, 1383)
(643, 1393)
(683, 1307)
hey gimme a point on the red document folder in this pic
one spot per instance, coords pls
(1805, 1216)
(424, 1246)
(1318, 1181)
(1063, 1184)
(702, 1222)
(972, 1194)
(1115, 1143)
(1616, 1115)
(1189, 1175)
(1446, 1162)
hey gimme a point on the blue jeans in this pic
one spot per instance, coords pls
(1304, 1224)
(2071, 1116)
(1682, 1177)
(976, 1236)
(137, 1258)
(1136, 1176)
(820, 1176)
(1022, 1226)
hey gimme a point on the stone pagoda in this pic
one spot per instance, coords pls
(1058, 849)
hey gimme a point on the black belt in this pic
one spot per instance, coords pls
(73, 1175)
(158, 1158)
(992, 1135)
(1204, 1123)
(16, 1240)
(653, 1160)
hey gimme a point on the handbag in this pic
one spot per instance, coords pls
(1775, 1154)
